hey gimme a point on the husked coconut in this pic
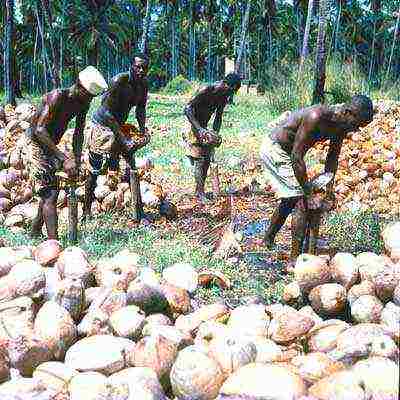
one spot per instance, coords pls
(181, 339)
(328, 299)
(364, 288)
(366, 308)
(386, 281)
(118, 271)
(88, 386)
(4, 365)
(56, 375)
(128, 322)
(142, 383)
(370, 264)
(93, 293)
(182, 275)
(267, 350)
(55, 327)
(149, 298)
(344, 269)
(70, 294)
(52, 281)
(251, 320)
(264, 381)
(8, 259)
(47, 252)
(26, 389)
(94, 323)
(292, 293)
(26, 353)
(311, 271)
(307, 310)
(177, 298)
(158, 353)
(342, 385)
(195, 375)
(210, 330)
(323, 336)
(232, 352)
(391, 240)
(85, 356)
(396, 295)
(109, 301)
(379, 377)
(158, 319)
(390, 317)
(73, 263)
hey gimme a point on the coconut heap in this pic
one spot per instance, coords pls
(115, 329)
(17, 203)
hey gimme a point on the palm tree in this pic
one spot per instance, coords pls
(9, 53)
(320, 60)
(146, 25)
(304, 51)
(395, 35)
(242, 44)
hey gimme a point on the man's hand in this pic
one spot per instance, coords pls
(209, 137)
(70, 167)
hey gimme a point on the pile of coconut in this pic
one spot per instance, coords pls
(115, 329)
(17, 203)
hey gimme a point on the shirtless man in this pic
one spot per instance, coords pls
(106, 141)
(283, 154)
(200, 142)
(49, 124)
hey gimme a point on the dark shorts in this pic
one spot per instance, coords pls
(98, 164)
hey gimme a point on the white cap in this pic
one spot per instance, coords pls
(92, 80)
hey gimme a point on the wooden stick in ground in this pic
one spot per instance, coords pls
(135, 192)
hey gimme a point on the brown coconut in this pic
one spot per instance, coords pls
(55, 327)
(70, 294)
(328, 299)
(73, 263)
(47, 252)
(177, 298)
(56, 375)
(292, 293)
(149, 298)
(386, 281)
(366, 308)
(264, 381)
(311, 271)
(181, 339)
(364, 288)
(128, 322)
(323, 336)
(251, 320)
(232, 352)
(344, 269)
(101, 353)
(109, 301)
(196, 375)
(4, 365)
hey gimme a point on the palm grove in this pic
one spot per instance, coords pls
(46, 43)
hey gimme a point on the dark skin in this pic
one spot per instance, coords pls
(300, 132)
(50, 122)
(210, 100)
(126, 90)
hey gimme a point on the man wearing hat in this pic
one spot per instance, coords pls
(200, 142)
(49, 124)
(110, 137)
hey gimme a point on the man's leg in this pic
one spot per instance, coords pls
(300, 221)
(285, 207)
(38, 221)
(200, 167)
(49, 197)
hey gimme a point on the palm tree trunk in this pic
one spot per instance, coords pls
(192, 50)
(146, 24)
(395, 35)
(320, 60)
(242, 44)
(9, 53)
(209, 50)
(305, 51)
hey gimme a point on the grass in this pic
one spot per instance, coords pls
(160, 245)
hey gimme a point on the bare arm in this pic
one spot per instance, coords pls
(141, 113)
(218, 118)
(189, 109)
(332, 161)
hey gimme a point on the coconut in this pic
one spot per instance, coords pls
(158, 319)
(26, 389)
(177, 298)
(370, 264)
(52, 282)
(386, 281)
(195, 375)
(93, 293)
(149, 298)
(109, 301)
(391, 240)
(5, 205)
(142, 383)
(307, 310)
(14, 220)
(101, 192)
(323, 336)
(85, 356)
(292, 293)
(379, 377)
(366, 308)
(311, 271)
(108, 202)
(264, 381)
(128, 322)
(210, 330)
(88, 386)
(158, 353)
(70, 294)
(8, 259)
(267, 350)
(231, 353)
(212, 312)
(56, 375)
(315, 366)
(118, 271)
(26, 353)
(344, 269)
(182, 275)
(55, 327)
(251, 320)
(287, 327)
(390, 317)
(4, 366)
(73, 263)
(181, 339)
(16, 317)
(342, 385)
(364, 288)
(95, 323)
(328, 299)
(47, 252)
(396, 295)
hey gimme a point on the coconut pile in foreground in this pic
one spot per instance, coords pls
(116, 330)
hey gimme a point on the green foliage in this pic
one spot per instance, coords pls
(355, 232)
(177, 85)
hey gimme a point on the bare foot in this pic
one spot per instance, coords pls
(35, 233)
(289, 267)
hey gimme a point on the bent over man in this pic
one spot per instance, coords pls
(201, 142)
(283, 154)
(49, 124)
(108, 137)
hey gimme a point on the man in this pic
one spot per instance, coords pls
(283, 155)
(201, 142)
(108, 138)
(49, 124)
